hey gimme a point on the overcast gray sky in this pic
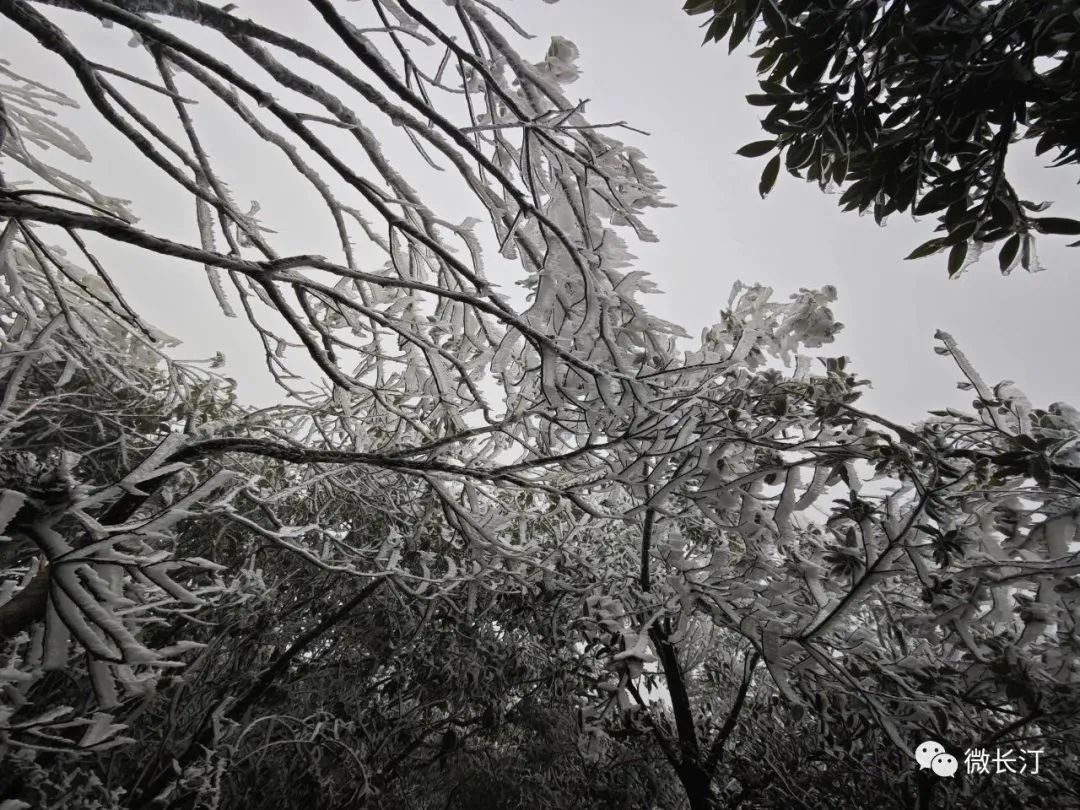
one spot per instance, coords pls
(642, 61)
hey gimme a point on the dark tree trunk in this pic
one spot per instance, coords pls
(697, 784)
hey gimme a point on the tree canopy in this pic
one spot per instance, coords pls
(480, 554)
(914, 105)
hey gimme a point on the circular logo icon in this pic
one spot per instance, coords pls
(943, 765)
(926, 752)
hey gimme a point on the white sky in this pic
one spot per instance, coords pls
(642, 62)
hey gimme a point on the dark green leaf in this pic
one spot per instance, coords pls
(718, 28)
(1001, 214)
(938, 198)
(1060, 225)
(838, 65)
(774, 18)
(897, 116)
(769, 59)
(926, 249)
(800, 153)
(957, 214)
(739, 30)
(756, 149)
(963, 232)
(698, 6)
(908, 136)
(768, 177)
(905, 190)
(843, 473)
(956, 258)
(840, 169)
(1008, 252)
(767, 99)
(992, 234)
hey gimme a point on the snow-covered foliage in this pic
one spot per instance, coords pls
(470, 507)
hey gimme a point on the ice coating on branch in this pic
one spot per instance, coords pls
(560, 64)
(754, 326)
